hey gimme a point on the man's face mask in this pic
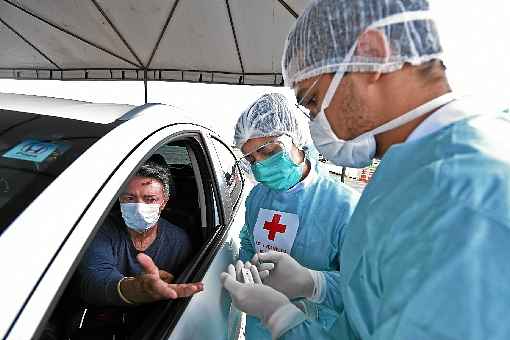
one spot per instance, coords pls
(140, 217)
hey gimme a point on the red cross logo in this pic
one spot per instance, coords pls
(274, 227)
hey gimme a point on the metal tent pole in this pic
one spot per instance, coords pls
(145, 84)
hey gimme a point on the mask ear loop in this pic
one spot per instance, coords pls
(335, 82)
(288, 149)
(286, 142)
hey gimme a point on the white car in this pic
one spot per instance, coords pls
(62, 164)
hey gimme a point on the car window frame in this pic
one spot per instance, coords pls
(228, 203)
(170, 312)
(169, 133)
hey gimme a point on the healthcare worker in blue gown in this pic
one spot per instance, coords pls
(286, 211)
(425, 255)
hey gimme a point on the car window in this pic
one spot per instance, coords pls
(34, 150)
(231, 171)
(175, 155)
(179, 160)
(186, 160)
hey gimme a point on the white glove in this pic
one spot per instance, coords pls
(286, 275)
(273, 308)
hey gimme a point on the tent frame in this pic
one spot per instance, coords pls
(147, 73)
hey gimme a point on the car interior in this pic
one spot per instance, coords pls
(191, 206)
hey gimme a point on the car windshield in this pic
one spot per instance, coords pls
(34, 150)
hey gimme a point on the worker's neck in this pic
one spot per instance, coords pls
(407, 101)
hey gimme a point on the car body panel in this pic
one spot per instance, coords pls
(64, 108)
(208, 313)
(40, 259)
(221, 321)
(65, 259)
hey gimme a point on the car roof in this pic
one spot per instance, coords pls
(102, 113)
(64, 108)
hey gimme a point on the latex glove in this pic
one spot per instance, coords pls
(281, 272)
(273, 308)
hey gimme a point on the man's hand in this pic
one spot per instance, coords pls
(154, 284)
(166, 276)
(281, 272)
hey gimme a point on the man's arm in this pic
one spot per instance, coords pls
(151, 285)
(102, 284)
(98, 274)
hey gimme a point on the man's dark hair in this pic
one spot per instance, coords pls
(157, 169)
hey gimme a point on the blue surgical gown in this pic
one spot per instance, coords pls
(319, 236)
(427, 252)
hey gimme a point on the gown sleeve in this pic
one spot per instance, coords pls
(446, 275)
(247, 250)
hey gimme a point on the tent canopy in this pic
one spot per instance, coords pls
(210, 41)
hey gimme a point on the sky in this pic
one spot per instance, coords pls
(474, 34)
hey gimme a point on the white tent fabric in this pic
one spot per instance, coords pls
(211, 41)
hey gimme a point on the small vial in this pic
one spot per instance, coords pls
(247, 277)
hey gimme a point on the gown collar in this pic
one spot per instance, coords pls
(450, 113)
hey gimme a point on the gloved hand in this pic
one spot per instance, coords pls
(281, 272)
(273, 308)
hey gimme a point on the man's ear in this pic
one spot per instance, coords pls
(373, 44)
(163, 205)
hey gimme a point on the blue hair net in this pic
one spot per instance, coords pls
(325, 36)
(270, 115)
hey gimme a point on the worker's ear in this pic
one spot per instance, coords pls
(298, 155)
(373, 44)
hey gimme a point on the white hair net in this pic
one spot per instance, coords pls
(270, 115)
(325, 36)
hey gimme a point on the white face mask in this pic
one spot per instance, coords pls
(140, 216)
(359, 152)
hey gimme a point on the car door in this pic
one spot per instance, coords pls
(46, 294)
(211, 315)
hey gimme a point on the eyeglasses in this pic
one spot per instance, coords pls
(264, 151)
(305, 98)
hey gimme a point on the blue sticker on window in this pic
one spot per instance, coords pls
(31, 150)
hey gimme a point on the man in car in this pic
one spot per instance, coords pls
(134, 260)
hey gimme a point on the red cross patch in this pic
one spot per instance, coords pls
(274, 227)
(275, 230)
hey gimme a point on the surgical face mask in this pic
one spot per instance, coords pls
(278, 172)
(140, 217)
(360, 151)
